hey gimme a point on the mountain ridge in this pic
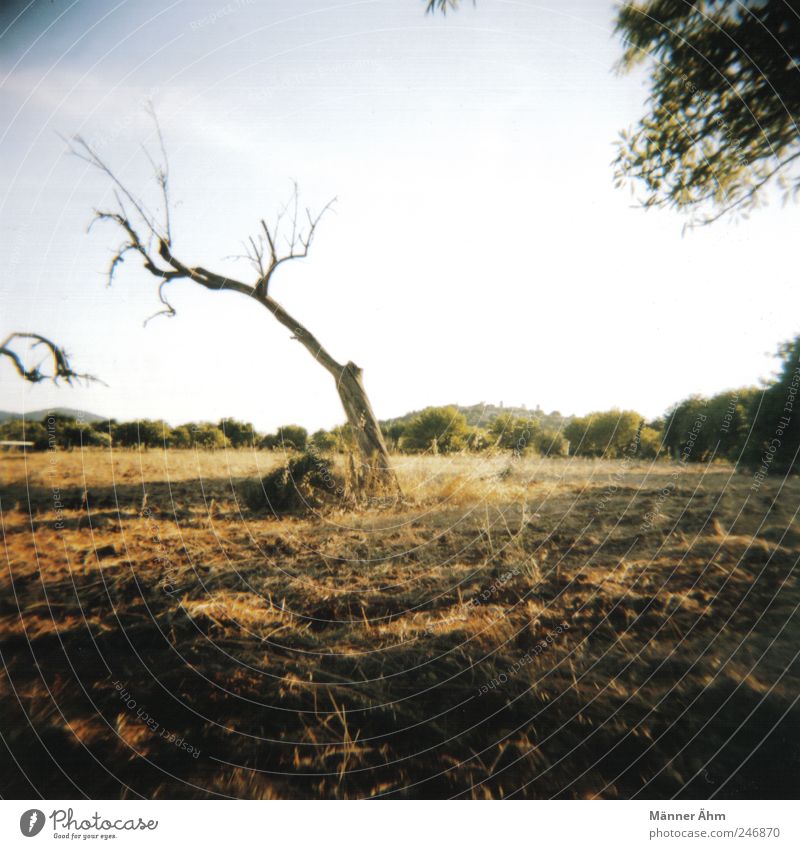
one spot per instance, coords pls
(41, 415)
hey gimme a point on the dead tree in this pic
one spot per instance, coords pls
(61, 368)
(148, 235)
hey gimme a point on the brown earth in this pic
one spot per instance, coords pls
(524, 628)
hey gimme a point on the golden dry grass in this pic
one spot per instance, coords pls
(515, 628)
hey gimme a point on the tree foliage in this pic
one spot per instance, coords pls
(239, 434)
(58, 431)
(144, 433)
(687, 432)
(701, 429)
(650, 443)
(724, 101)
(393, 431)
(322, 442)
(21, 430)
(439, 430)
(774, 443)
(513, 433)
(208, 436)
(550, 443)
(288, 437)
(607, 434)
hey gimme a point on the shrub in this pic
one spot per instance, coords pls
(610, 434)
(551, 443)
(91, 438)
(513, 433)
(649, 443)
(323, 442)
(18, 430)
(181, 436)
(478, 439)
(197, 435)
(440, 430)
(393, 433)
(208, 436)
(69, 433)
(145, 433)
(730, 415)
(287, 437)
(687, 433)
(303, 484)
(774, 445)
(239, 434)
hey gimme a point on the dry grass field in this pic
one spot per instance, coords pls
(517, 628)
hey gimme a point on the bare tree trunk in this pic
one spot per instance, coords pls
(375, 477)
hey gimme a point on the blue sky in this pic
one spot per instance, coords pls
(478, 250)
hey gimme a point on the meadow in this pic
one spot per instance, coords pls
(515, 628)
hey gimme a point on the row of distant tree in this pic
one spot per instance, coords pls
(756, 428)
(435, 430)
(750, 426)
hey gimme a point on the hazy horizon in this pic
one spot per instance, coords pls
(530, 408)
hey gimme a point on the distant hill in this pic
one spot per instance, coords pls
(41, 415)
(484, 414)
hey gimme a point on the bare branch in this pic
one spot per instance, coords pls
(118, 259)
(298, 243)
(61, 365)
(88, 154)
(168, 311)
(153, 240)
(162, 172)
(134, 243)
(268, 236)
(442, 5)
(257, 255)
(296, 198)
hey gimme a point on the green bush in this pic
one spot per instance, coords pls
(730, 415)
(17, 430)
(287, 438)
(144, 433)
(440, 430)
(322, 442)
(182, 436)
(345, 442)
(478, 439)
(774, 444)
(610, 434)
(239, 434)
(393, 433)
(687, 433)
(68, 433)
(550, 443)
(649, 443)
(208, 436)
(513, 433)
